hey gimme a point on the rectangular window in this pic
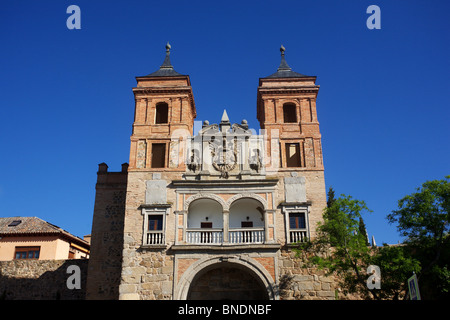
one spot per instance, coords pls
(207, 225)
(293, 155)
(297, 221)
(162, 113)
(158, 155)
(246, 224)
(289, 113)
(27, 252)
(155, 222)
(154, 225)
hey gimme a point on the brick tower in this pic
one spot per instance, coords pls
(286, 110)
(164, 113)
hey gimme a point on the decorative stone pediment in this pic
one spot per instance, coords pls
(222, 151)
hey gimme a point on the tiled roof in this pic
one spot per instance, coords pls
(15, 226)
(26, 225)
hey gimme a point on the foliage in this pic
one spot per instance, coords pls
(362, 230)
(339, 247)
(397, 264)
(424, 219)
(424, 215)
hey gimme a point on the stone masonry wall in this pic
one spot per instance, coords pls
(299, 283)
(105, 262)
(147, 276)
(40, 280)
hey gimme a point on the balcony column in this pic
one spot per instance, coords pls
(266, 227)
(226, 219)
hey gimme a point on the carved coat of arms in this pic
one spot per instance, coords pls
(223, 160)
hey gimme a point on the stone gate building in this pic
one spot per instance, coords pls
(212, 215)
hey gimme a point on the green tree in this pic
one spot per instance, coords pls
(330, 197)
(397, 264)
(424, 219)
(332, 214)
(340, 248)
(362, 230)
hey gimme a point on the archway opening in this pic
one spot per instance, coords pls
(205, 212)
(246, 222)
(227, 281)
(246, 213)
(205, 222)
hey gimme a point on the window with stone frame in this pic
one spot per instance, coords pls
(297, 225)
(154, 225)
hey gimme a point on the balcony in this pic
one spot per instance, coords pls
(202, 236)
(154, 238)
(216, 236)
(246, 235)
(296, 236)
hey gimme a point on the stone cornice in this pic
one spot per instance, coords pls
(167, 90)
(225, 183)
(226, 247)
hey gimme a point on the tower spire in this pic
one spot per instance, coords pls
(283, 64)
(225, 122)
(225, 118)
(166, 63)
(284, 71)
(166, 69)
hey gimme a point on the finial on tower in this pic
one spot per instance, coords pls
(283, 65)
(225, 118)
(166, 69)
(166, 63)
(225, 122)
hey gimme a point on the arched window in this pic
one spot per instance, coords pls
(204, 222)
(205, 213)
(246, 221)
(162, 113)
(289, 113)
(246, 213)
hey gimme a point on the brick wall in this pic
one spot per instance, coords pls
(40, 280)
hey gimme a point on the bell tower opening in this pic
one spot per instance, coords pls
(158, 155)
(289, 113)
(162, 113)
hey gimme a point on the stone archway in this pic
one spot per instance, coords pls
(203, 272)
(226, 281)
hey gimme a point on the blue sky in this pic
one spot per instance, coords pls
(66, 102)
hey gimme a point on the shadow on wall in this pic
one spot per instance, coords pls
(42, 279)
